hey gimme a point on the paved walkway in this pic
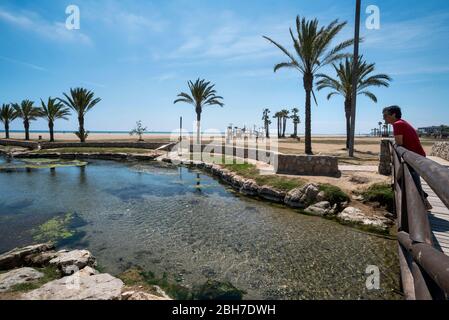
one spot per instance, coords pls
(439, 215)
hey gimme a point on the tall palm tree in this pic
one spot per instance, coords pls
(342, 85)
(278, 116)
(7, 114)
(312, 53)
(27, 112)
(202, 93)
(285, 116)
(267, 122)
(81, 101)
(52, 111)
(296, 121)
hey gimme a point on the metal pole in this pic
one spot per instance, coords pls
(355, 79)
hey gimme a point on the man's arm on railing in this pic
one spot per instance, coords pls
(399, 140)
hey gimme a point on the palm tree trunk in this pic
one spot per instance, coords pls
(7, 129)
(267, 130)
(198, 128)
(50, 126)
(26, 124)
(81, 129)
(284, 127)
(308, 86)
(279, 127)
(295, 133)
(348, 105)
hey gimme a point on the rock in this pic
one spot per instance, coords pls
(40, 259)
(79, 286)
(353, 215)
(140, 295)
(321, 196)
(293, 198)
(249, 188)
(16, 257)
(322, 209)
(72, 261)
(357, 198)
(18, 276)
(268, 193)
(303, 196)
(311, 192)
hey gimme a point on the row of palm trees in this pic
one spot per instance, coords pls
(312, 47)
(282, 117)
(79, 100)
(312, 52)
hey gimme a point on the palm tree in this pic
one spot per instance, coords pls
(7, 114)
(296, 121)
(312, 50)
(278, 116)
(267, 122)
(202, 94)
(342, 85)
(28, 113)
(81, 101)
(52, 111)
(285, 116)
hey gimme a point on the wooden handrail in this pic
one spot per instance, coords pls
(428, 267)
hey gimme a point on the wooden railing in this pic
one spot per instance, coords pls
(424, 269)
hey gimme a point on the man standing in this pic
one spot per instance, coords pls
(406, 136)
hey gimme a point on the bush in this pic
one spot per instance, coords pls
(381, 193)
(334, 194)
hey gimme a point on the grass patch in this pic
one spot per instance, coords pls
(94, 150)
(250, 171)
(381, 193)
(333, 194)
(50, 274)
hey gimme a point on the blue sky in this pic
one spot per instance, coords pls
(137, 55)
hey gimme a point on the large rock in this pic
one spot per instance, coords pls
(72, 261)
(18, 276)
(249, 188)
(271, 194)
(322, 209)
(79, 286)
(140, 295)
(353, 215)
(40, 259)
(303, 196)
(16, 257)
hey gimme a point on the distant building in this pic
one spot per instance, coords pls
(435, 131)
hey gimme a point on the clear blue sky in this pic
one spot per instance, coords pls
(137, 55)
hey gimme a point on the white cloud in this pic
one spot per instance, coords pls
(25, 64)
(32, 22)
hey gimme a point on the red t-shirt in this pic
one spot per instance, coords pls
(410, 137)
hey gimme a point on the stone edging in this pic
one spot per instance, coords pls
(307, 198)
(86, 155)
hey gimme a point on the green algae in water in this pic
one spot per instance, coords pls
(60, 229)
(41, 164)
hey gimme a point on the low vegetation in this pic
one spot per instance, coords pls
(250, 171)
(381, 193)
(334, 194)
(50, 273)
